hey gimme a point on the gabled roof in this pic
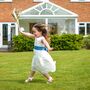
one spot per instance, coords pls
(47, 9)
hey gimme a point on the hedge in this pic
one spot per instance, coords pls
(67, 42)
(22, 43)
(87, 42)
(58, 42)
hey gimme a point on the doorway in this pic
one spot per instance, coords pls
(8, 30)
(52, 28)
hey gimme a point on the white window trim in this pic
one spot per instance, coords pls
(9, 25)
(40, 0)
(37, 1)
(79, 1)
(31, 8)
(5, 1)
(85, 23)
(76, 26)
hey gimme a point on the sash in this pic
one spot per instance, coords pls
(40, 48)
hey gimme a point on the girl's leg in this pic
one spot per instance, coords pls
(50, 79)
(30, 78)
(32, 73)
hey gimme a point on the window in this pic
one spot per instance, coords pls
(13, 29)
(47, 8)
(5, 34)
(80, 0)
(40, 0)
(84, 28)
(5, 0)
(52, 28)
(88, 28)
(8, 31)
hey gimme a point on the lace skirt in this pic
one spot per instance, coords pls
(43, 62)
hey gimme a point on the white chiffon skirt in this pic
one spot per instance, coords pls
(43, 62)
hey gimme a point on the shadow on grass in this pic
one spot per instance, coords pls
(23, 81)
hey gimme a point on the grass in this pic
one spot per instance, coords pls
(73, 71)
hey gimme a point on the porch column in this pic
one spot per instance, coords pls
(9, 31)
(16, 28)
(46, 22)
(76, 26)
(85, 29)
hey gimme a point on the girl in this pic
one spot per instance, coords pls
(42, 61)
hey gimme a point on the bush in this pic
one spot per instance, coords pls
(22, 43)
(58, 42)
(67, 42)
(87, 42)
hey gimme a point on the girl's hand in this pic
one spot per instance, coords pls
(21, 29)
(50, 49)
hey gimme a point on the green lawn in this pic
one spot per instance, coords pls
(73, 71)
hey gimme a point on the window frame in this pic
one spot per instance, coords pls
(10, 25)
(39, 0)
(5, 1)
(85, 26)
(79, 1)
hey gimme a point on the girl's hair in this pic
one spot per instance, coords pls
(41, 28)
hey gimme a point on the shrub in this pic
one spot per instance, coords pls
(22, 43)
(67, 42)
(87, 42)
(58, 42)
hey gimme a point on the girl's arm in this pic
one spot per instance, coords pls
(21, 30)
(46, 44)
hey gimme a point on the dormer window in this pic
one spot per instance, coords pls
(5, 0)
(40, 0)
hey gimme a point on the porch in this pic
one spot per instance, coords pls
(59, 20)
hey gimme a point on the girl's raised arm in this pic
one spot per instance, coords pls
(21, 30)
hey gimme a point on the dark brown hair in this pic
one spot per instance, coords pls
(41, 28)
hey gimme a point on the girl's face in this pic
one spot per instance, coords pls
(36, 32)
